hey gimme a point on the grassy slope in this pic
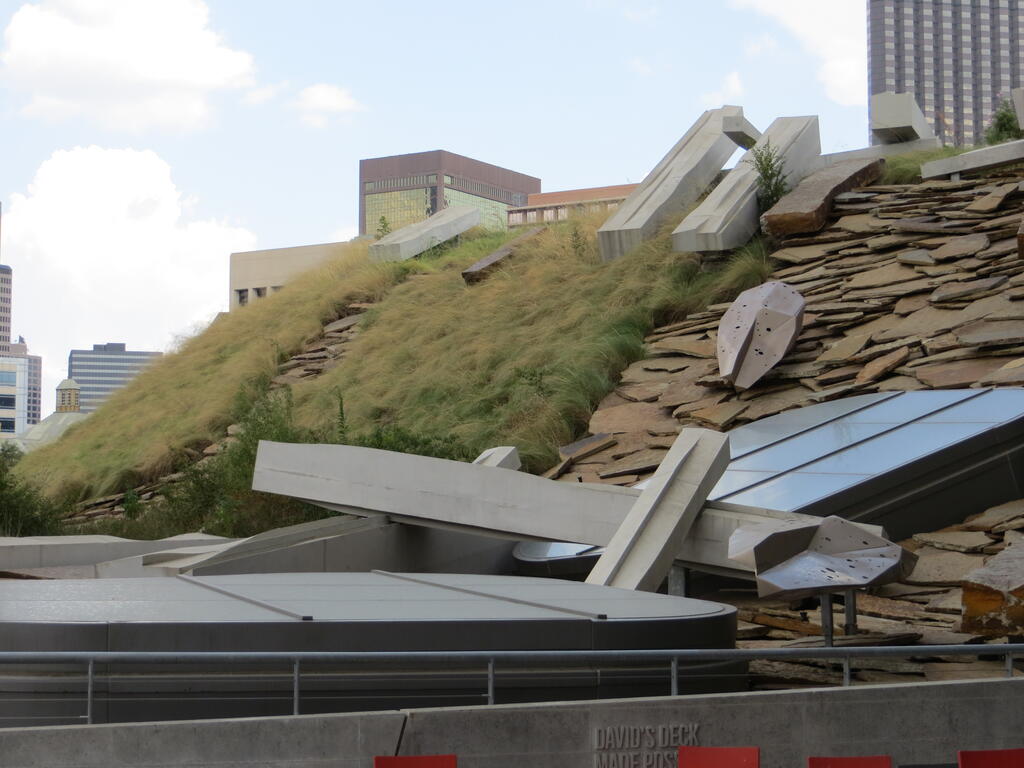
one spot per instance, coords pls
(520, 359)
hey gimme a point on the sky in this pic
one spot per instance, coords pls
(146, 140)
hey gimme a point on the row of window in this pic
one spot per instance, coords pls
(242, 294)
(422, 180)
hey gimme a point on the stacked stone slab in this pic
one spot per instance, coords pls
(896, 118)
(416, 238)
(728, 217)
(675, 183)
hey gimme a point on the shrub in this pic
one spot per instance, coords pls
(771, 175)
(23, 510)
(1004, 125)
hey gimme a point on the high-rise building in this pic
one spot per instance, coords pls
(6, 279)
(13, 396)
(404, 189)
(104, 369)
(34, 402)
(960, 59)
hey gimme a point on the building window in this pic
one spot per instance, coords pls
(8, 378)
(243, 296)
(260, 292)
(7, 401)
(7, 425)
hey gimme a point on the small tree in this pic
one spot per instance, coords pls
(1004, 125)
(383, 228)
(771, 175)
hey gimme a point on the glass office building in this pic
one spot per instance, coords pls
(960, 59)
(405, 189)
(103, 370)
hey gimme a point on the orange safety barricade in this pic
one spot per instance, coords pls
(719, 757)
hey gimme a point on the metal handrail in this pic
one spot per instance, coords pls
(672, 656)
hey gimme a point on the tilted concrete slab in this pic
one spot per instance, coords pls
(977, 160)
(55, 551)
(452, 495)
(806, 207)
(1017, 95)
(740, 130)
(728, 217)
(491, 262)
(897, 118)
(641, 553)
(416, 238)
(675, 183)
(505, 456)
(880, 151)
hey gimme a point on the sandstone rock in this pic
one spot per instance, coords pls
(646, 392)
(844, 348)
(682, 392)
(1010, 374)
(882, 365)
(882, 276)
(637, 463)
(993, 596)
(958, 247)
(958, 374)
(955, 541)
(916, 257)
(804, 254)
(993, 516)
(983, 333)
(720, 416)
(587, 446)
(966, 290)
(630, 417)
(686, 345)
(993, 200)
(939, 567)
(900, 384)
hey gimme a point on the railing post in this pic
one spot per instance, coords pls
(1009, 664)
(675, 676)
(88, 695)
(295, 687)
(826, 618)
(846, 670)
(490, 681)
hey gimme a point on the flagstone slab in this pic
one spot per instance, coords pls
(959, 247)
(958, 374)
(982, 333)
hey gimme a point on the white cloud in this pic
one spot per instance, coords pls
(760, 46)
(262, 94)
(639, 66)
(640, 13)
(832, 31)
(126, 64)
(103, 249)
(316, 104)
(729, 92)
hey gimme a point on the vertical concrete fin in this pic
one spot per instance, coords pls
(641, 552)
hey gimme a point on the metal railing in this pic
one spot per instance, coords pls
(446, 659)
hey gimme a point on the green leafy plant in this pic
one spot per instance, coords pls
(383, 227)
(23, 510)
(771, 175)
(1004, 125)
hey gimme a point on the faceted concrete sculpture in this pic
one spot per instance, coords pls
(740, 130)
(896, 118)
(977, 160)
(416, 238)
(806, 207)
(757, 331)
(728, 217)
(676, 182)
(641, 552)
(833, 554)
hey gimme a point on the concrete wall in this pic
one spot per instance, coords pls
(915, 723)
(273, 267)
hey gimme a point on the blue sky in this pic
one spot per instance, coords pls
(147, 139)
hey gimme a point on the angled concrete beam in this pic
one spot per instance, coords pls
(728, 217)
(675, 183)
(978, 160)
(740, 130)
(896, 118)
(641, 552)
(881, 151)
(416, 238)
(505, 456)
(1017, 94)
(492, 261)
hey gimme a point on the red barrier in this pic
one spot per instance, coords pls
(416, 761)
(991, 758)
(872, 761)
(719, 757)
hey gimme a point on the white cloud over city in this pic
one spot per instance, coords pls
(729, 91)
(834, 32)
(104, 248)
(317, 104)
(125, 64)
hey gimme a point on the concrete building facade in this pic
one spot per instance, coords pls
(558, 206)
(34, 402)
(960, 59)
(104, 369)
(255, 275)
(405, 189)
(13, 396)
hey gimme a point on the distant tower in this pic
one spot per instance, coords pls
(6, 275)
(67, 396)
